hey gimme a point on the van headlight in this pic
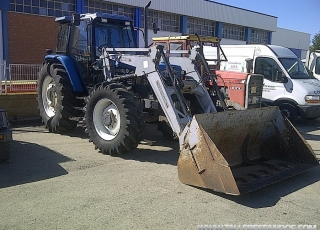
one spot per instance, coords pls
(312, 99)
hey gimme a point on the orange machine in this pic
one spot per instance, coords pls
(242, 90)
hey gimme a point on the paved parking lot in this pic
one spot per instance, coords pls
(57, 181)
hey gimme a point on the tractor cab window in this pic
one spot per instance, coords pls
(63, 37)
(269, 68)
(176, 46)
(80, 44)
(111, 35)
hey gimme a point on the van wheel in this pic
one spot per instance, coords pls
(290, 111)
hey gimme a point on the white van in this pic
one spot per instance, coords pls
(312, 61)
(287, 83)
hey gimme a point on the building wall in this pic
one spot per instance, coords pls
(29, 36)
(20, 106)
(210, 10)
(231, 42)
(298, 42)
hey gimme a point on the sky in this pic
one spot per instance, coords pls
(297, 15)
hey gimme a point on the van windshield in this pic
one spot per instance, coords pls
(295, 68)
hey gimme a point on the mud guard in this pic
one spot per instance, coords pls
(69, 65)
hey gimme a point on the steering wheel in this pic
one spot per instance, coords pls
(102, 46)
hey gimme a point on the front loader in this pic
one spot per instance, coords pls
(108, 82)
(240, 90)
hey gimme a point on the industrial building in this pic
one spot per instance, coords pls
(27, 27)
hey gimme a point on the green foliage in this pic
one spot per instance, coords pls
(315, 42)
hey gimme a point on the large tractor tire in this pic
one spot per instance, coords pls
(56, 98)
(113, 118)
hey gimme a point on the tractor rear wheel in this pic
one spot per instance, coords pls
(113, 118)
(55, 98)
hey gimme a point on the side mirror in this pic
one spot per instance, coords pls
(317, 67)
(3, 119)
(75, 19)
(155, 28)
(48, 51)
(284, 79)
(249, 65)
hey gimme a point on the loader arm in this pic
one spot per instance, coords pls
(147, 63)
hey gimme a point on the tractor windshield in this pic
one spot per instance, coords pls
(114, 35)
(295, 68)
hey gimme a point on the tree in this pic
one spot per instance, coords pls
(315, 42)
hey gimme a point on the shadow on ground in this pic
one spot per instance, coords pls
(155, 148)
(30, 162)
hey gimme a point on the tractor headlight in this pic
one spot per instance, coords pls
(312, 98)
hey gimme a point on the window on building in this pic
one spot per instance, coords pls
(110, 8)
(259, 36)
(233, 32)
(56, 8)
(201, 26)
(164, 21)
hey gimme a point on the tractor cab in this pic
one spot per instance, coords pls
(83, 36)
(89, 33)
(211, 47)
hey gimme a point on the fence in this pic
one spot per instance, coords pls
(3, 78)
(23, 78)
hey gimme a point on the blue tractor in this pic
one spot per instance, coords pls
(73, 86)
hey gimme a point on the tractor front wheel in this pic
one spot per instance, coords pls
(113, 118)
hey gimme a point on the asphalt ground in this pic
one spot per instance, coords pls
(55, 181)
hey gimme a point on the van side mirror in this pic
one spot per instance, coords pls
(317, 67)
(284, 79)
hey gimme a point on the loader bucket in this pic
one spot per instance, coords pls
(236, 152)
